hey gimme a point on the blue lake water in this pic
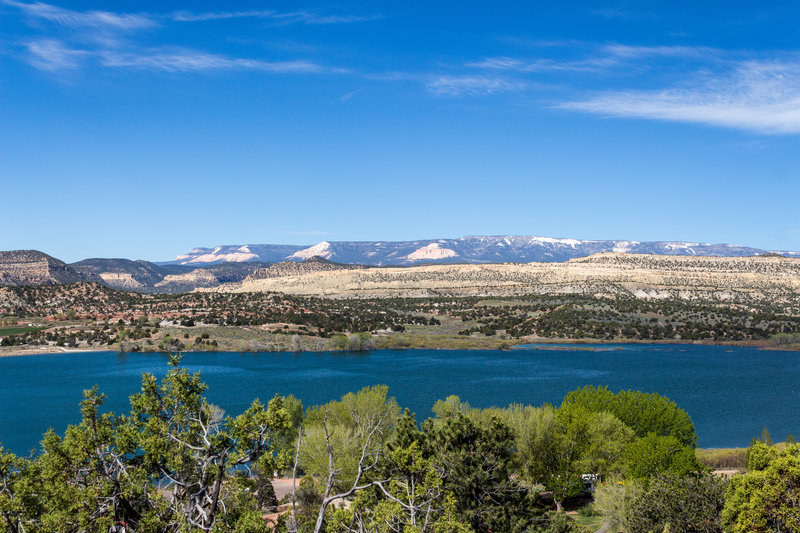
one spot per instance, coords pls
(730, 393)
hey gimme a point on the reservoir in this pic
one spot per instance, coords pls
(730, 393)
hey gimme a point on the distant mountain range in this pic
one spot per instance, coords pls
(31, 267)
(211, 267)
(472, 249)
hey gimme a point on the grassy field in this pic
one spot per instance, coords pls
(254, 339)
(444, 336)
(15, 330)
(722, 458)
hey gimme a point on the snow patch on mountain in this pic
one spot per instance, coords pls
(680, 245)
(431, 252)
(216, 257)
(550, 240)
(624, 246)
(322, 249)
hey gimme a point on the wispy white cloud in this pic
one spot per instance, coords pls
(758, 96)
(624, 51)
(312, 17)
(294, 17)
(601, 58)
(51, 55)
(190, 16)
(701, 85)
(348, 96)
(471, 85)
(102, 38)
(541, 65)
(84, 19)
(624, 13)
(194, 61)
(136, 21)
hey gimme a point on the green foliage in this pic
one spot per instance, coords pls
(765, 499)
(476, 461)
(644, 413)
(23, 496)
(690, 504)
(561, 523)
(349, 422)
(410, 500)
(656, 455)
(603, 437)
(556, 446)
(339, 342)
(260, 485)
(783, 339)
(611, 497)
(358, 342)
(450, 407)
(536, 432)
(309, 499)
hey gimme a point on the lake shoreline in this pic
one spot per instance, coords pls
(558, 344)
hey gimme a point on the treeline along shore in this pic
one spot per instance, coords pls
(625, 461)
(89, 316)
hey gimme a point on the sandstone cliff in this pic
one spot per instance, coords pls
(29, 267)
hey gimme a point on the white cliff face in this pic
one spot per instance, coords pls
(431, 252)
(196, 278)
(322, 249)
(120, 280)
(217, 255)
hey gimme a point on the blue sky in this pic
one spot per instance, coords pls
(148, 130)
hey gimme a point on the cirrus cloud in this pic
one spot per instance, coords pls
(757, 96)
(84, 19)
(471, 85)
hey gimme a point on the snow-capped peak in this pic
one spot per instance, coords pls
(432, 251)
(550, 240)
(322, 249)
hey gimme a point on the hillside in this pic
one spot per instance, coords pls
(30, 267)
(205, 276)
(122, 273)
(745, 279)
(88, 315)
